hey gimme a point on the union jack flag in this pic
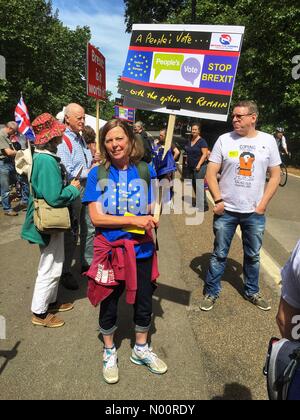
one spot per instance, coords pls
(23, 121)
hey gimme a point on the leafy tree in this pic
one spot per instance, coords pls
(45, 60)
(271, 40)
(107, 110)
(144, 11)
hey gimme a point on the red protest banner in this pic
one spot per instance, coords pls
(96, 81)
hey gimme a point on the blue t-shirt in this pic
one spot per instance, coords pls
(124, 192)
(194, 152)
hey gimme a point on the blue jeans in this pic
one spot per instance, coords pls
(24, 188)
(7, 170)
(252, 227)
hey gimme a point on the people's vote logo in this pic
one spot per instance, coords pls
(225, 39)
(190, 70)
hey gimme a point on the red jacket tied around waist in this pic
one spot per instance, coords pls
(108, 269)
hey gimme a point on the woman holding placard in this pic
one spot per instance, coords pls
(118, 194)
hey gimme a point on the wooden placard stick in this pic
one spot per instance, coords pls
(170, 133)
(158, 206)
(167, 147)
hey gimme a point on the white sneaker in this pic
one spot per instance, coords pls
(110, 366)
(148, 358)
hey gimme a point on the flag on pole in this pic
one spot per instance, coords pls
(23, 121)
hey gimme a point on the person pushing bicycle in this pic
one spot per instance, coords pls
(281, 141)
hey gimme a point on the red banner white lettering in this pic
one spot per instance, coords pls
(96, 81)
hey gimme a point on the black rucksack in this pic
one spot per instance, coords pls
(282, 369)
(144, 174)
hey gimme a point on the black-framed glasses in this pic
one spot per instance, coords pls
(240, 116)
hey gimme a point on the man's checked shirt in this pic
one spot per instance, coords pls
(80, 155)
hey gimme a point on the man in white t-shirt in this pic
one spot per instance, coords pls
(243, 157)
(288, 316)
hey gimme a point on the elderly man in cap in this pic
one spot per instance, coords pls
(7, 169)
(77, 159)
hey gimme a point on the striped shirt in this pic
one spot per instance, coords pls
(80, 155)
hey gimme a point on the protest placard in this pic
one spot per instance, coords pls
(182, 69)
(124, 113)
(96, 81)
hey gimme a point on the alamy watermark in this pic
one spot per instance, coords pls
(296, 68)
(134, 197)
(296, 329)
(2, 328)
(2, 67)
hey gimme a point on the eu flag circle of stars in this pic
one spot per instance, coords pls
(138, 65)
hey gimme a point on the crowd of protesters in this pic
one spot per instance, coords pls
(10, 142)
(117, 251)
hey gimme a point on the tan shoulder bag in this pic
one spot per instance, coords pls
(48, 219)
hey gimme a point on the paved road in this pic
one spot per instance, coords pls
(65, 363)
(215, 355)
(283, 221)
(283, 218)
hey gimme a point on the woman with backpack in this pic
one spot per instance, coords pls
(47, 182)
(118, 194)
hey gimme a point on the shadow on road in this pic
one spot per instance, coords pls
(8, 355)
(125, 312)
(232, 275)
(234, 391)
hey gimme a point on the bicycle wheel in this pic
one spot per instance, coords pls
(283, 175)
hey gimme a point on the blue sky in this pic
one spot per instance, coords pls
(106, 21)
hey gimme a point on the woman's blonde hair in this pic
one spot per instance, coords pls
(136, 149)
